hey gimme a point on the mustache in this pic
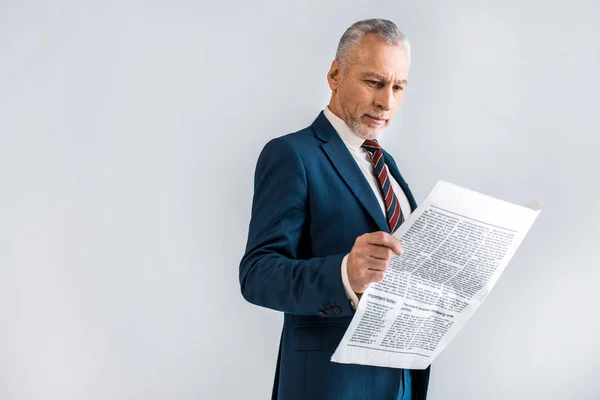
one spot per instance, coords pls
(378, 116)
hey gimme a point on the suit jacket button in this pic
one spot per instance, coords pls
(337, 310)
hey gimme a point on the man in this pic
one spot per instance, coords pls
(326, 199)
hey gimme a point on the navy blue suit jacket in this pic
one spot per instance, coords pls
(311, 201)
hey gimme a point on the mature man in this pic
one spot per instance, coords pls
(325, 201)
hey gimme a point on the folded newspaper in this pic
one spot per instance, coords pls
(456, 245)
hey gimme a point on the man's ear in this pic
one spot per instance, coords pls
(334, 75)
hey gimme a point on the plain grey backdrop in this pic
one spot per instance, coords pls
(129, 133)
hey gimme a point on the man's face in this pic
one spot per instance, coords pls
(367, 91)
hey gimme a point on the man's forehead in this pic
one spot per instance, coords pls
(385, 64)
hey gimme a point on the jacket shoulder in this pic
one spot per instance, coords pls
(302, 138)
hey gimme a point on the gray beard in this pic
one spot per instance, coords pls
(367, 134)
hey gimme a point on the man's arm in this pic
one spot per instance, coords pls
(271, 273)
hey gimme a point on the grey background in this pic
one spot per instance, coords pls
(129, 132)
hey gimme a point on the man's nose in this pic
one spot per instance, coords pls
(385, 98)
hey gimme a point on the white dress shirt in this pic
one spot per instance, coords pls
(354, 144)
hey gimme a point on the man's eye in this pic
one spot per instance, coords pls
(375, 83)
(398, 87)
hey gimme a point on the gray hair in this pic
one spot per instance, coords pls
(387, 30)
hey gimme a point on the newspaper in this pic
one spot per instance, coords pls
(456, 244)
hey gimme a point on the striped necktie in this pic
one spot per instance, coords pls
(394, 214)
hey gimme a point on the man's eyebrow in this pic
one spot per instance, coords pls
(381, 78)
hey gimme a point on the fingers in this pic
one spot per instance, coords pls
(385, 239)
(369, 259)
(377, 264)
(374, 276)
(380, 252)
(367, 277)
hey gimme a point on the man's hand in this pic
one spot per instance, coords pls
(369, 259)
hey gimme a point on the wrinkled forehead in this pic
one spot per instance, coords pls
(389, 62)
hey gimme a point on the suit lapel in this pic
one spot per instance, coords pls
(342, 160)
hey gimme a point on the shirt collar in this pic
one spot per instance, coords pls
(350, 139)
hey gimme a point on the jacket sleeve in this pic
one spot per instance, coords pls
(271, 273)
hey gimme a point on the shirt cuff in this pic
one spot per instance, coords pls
(350, 295)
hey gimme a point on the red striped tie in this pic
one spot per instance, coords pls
(394, 214)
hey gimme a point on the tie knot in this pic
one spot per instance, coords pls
(371, 145)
